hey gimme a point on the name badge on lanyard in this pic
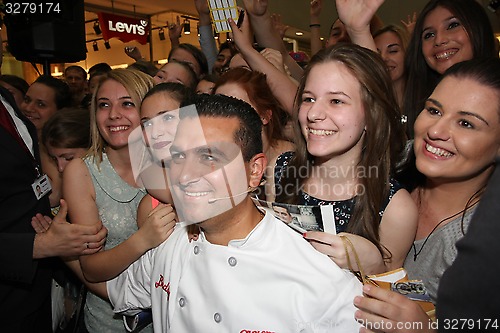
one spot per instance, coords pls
(41, 186)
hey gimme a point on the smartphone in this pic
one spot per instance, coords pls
(240, 18)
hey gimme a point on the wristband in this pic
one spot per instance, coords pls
(314, 25)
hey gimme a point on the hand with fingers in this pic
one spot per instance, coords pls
(330, 245)
(390, 312)
(202, 7)
(158, 226)
(333, 246)
(175, 29)
(315, 10)
(242, 35)
(278, 24)
(133, 52)
(357, 14)
(410, 22)
(41, 223)
(275, 58)
(64, 239)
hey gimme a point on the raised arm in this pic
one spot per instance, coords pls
(174, 32)
(266, 35)
(315, 26)
(207, 41)
(282, 87)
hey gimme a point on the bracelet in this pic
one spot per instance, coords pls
(314, 25)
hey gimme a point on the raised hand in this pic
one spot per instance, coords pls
(255, 7)
(175, 29)
(278, 25)
(133, 52)
(315, 10)
(202, 7)
(357, 14)
(203, 11)
(410, 22)
(242, 36)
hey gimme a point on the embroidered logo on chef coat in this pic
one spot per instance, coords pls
(161, 284)
(251, 331)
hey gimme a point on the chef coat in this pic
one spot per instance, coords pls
(271, 281)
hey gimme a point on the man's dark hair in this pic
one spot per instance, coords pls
(248, 136)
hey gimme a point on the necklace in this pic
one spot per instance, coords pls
(468, 205)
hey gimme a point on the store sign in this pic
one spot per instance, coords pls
(124, 28)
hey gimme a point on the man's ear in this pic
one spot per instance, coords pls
(257, 166)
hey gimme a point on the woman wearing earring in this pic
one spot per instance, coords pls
(349, 136)
(457, 138)
(102, 187)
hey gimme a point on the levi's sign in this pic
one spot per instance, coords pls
(124, 28)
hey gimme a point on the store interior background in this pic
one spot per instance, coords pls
(294, 13)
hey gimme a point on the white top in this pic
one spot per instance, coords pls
(273, 280)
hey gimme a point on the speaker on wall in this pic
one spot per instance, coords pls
(46, 31)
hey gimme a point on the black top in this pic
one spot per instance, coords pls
(342, 209)
(25, 283)
(468, 290)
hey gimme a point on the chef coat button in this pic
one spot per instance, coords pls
(182, 302)
(217, 317)
(232, 261)
(196, 249)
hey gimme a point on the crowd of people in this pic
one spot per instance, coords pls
(128, 194)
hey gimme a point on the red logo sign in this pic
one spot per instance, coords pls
(124, 28)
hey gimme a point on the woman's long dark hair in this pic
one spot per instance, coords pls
(421, 79)
(382, 143)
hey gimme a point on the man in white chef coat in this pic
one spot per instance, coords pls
(246, 272)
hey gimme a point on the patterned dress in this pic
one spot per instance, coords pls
(342, 209)
(117, 203)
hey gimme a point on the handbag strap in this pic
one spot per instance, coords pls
(348, 244)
